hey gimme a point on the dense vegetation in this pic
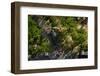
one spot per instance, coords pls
(57, 37)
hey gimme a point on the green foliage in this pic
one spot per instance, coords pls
(70, 33)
